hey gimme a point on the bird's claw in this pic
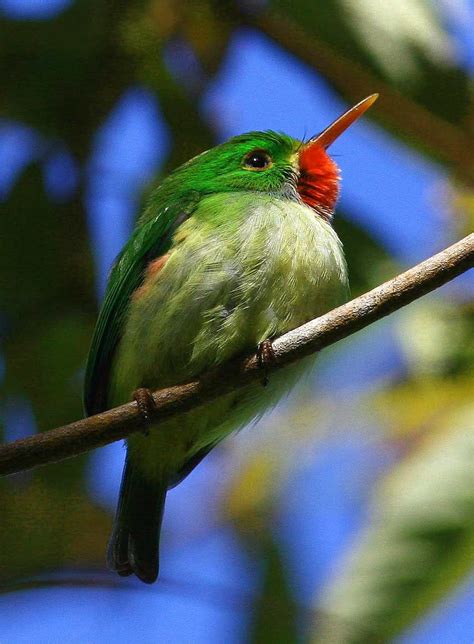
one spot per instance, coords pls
(265, 357)
(145, 403)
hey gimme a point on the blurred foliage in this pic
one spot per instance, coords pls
(417, 76)
(34, 513)
(404, 45)
(420, 541)
(63, 77)
(275, 613)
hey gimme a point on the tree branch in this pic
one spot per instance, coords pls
(107, 427)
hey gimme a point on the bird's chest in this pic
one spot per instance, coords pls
(225, 288)
(291, 267)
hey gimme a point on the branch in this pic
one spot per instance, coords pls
(107, 427)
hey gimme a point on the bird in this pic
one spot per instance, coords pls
(234, 248)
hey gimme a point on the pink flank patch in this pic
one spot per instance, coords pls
(152, 269)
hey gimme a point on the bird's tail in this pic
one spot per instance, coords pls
(134, 544)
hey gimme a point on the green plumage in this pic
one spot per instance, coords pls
(243, 259)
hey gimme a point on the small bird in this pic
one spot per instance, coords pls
(234, 248)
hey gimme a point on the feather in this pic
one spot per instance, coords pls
(134, 544)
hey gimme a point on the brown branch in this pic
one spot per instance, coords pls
(87, 434)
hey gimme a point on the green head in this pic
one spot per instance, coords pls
(261, 161)
(268, 162)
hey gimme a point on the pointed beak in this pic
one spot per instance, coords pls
(333, 131)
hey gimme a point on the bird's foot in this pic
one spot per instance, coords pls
(265, 357)
(146, 405)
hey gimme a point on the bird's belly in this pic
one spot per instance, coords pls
(220, 295)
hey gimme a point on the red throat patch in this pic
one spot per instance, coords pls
(318, 184)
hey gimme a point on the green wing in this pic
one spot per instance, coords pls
(150, 239)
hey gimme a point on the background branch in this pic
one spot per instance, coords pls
(104, 428)
(409, 118)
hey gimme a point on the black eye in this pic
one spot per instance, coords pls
(257, 160)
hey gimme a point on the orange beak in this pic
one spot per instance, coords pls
(333, 131)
